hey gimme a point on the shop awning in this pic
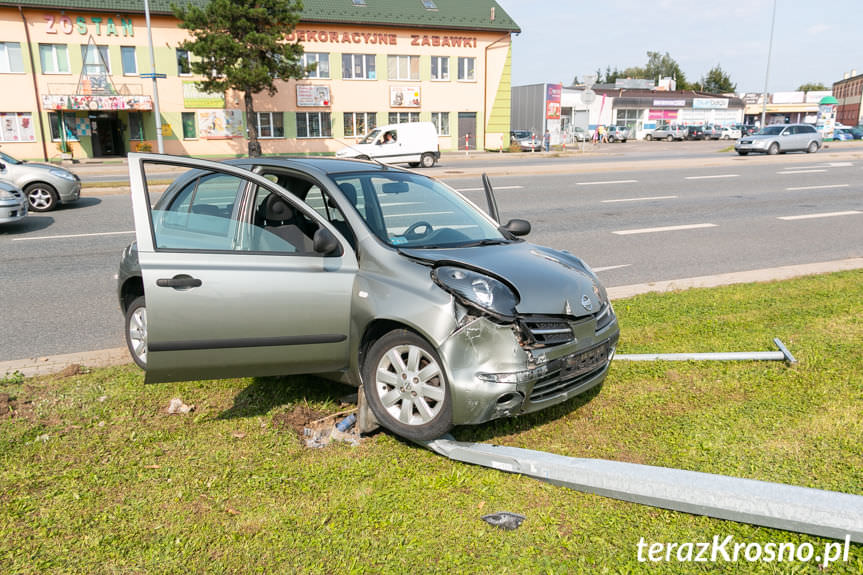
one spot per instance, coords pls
(82, 102)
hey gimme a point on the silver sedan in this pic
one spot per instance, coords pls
(46, 186)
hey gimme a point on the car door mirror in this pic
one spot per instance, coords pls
(2, 166)
(517, 227)
(325, 243)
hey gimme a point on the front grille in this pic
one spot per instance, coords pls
(548, 331)
(569, 372)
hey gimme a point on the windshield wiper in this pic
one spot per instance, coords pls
(485, 242)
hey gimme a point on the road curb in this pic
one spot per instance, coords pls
(47, 365)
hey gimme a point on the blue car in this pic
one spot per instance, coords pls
(842, 134)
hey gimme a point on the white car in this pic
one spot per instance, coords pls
(13, 203)
(730, 133)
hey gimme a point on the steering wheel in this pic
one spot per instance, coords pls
(411, 232)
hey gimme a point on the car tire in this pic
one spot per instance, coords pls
(813, 147)
(42, 197)
(773, 149)
(669, 138)
(427, 160)
(414, 164)
(406, 387)
(136, 331)
(742, 153)
(648, 137)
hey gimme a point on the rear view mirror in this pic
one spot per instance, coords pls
(325, 243)
(395, 188)
(517, 227)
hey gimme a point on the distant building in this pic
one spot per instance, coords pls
(783, 107)
(849, 93)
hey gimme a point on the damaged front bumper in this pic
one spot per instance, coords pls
(493, 373)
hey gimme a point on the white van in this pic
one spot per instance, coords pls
(414, 143)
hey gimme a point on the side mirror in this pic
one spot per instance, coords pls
(517, 227)
(2, 166)
(325, 243)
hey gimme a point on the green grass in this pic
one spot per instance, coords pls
(95, 477)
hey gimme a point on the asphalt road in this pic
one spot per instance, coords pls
(634, 220)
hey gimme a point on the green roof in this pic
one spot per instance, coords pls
(449, 14)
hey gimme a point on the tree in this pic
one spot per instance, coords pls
(240, 45)
(812, 87)
(717, 82)
(664, 66)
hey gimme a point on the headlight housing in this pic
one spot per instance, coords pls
(478, 290)
(62, 174)
(7, 195)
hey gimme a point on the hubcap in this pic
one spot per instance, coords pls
(40, 198)
(138, 333)
(410, 385)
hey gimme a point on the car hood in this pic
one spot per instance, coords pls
(548, 281)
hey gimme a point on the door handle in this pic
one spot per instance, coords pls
(181, 281)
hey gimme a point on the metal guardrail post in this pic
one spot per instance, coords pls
(782, 355)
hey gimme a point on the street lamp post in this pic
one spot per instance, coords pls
(767, 72)
(159, 144)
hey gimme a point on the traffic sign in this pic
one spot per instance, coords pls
(153, 75)
(588, 96)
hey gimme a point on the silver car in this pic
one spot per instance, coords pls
(379, 277)
(667, 133)
(13, 203)
(46, 186)
(781, 138)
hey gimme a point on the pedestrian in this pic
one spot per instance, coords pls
(603, 139)
(595, 137)
(546, 141)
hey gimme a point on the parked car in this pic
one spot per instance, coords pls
(712, 132)
(842, 134)
(527, 141)
(746, 129)
(579, 134)
(617, 133)
(412, 143)
(730, 133)
(376, 276)
(45, 185)
(13, 203)
(781, 138)
(669, 132)
(695, 132)
(857, 132)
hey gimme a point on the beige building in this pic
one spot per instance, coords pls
(74, 79)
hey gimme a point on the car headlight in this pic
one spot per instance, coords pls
(479, 290)
(62, 174)
(7, 195)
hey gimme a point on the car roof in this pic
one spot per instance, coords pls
(314, 164)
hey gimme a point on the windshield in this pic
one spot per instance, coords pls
(9, 159)
(771, 130)
(408, 210)
(370, 138)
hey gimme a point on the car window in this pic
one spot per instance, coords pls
(278, 226)
(327, 208)
(201, 215)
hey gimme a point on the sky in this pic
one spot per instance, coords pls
(813, 41)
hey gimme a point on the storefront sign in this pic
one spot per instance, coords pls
(404, 96)
(53, 102)
(193, 97)
(662, 115)
(318, 96)
(379, 38)
(552, 101)
(63, 24)
(220, 124)
(670, 103)
(709, 103)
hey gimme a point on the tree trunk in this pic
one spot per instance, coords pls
(252, 124)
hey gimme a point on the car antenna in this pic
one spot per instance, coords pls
(490, 199)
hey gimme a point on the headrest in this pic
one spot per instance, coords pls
(350, 192)
(278, 209)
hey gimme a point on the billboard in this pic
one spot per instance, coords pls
(552, 101)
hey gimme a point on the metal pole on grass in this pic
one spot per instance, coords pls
(160, 145)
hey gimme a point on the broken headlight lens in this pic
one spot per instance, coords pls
(479, 290)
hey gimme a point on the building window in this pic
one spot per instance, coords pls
(440, 67)
(68, 124)
(189, 126)
(403, 117)
(467, 69)
(358, 66)
(54, 58)
(130, 60)
(441, 122)
(314, 125)
(96, 60)
(10, 58)
(16, 127)
(403, 67)
(136, 126)
(184, 62)
(270, 125)
(359, 123)
(322, 62)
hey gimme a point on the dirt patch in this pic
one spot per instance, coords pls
(297, 419)
(11, 407)
(71, 370)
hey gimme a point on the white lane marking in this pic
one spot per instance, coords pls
(789, 172)
(712, 177)
(840, 164)
(664, 229)
(639, 199)
(824, 215)
(606, 268)
(606, 182)
(496, 188)
(824, 187)
(72, 236)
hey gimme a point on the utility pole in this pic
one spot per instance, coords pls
(767, 72)
(153, 75)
